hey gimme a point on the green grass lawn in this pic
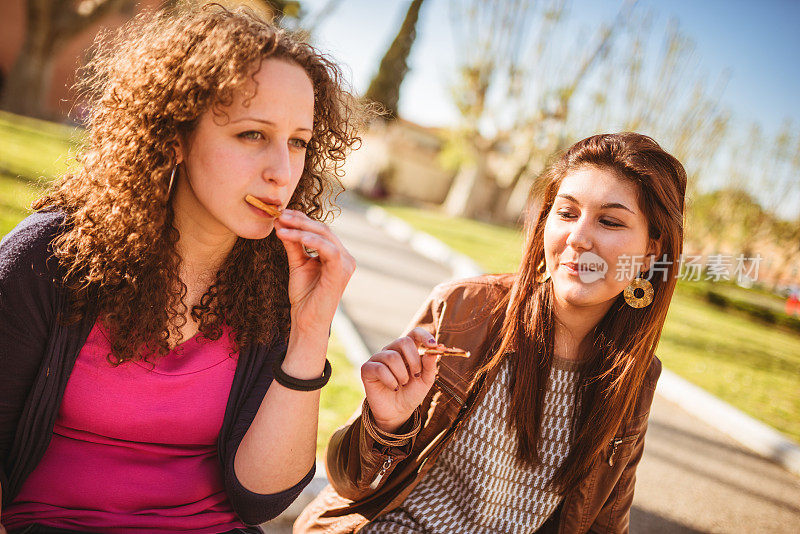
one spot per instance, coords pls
(340, 397)
(32, 152)
(750, 365)
(15, 197)
(495, 248)
(36, 150)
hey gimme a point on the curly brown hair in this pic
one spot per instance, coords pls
(146, 85)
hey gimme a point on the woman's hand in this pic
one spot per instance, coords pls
(397, 379)
(315, 284)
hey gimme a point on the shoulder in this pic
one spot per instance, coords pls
(476, 289)
(25, 251)
(647, 393)
(30, 237)
(653, 373)
(461, 304)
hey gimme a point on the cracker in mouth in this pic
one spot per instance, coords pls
(272, 211)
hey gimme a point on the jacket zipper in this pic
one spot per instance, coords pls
(385, 467)
(449, 391)
(616, 442)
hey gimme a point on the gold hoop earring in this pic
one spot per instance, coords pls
(647, 292)
(171, 180)
(542, 272)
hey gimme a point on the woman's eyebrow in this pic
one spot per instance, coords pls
(268, 123)
(607, 205)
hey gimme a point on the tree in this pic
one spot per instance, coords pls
(50, 25)
(671, 100)
(385, 86)
(518, 80)
(536, 85)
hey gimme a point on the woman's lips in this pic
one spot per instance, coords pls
(586, 272)
(571, 268)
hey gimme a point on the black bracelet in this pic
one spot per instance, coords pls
(298, 384)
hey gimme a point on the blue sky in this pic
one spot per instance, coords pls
(758, 40)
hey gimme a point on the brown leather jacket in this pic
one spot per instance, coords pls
(369, 479)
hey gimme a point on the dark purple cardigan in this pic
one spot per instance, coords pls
(37, 354)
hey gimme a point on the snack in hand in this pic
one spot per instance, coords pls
(273, 211)
(442, 350)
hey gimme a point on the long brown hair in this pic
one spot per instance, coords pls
(624, 341)
(146, 85)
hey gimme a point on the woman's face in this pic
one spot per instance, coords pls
(255, 147)
(595, 238)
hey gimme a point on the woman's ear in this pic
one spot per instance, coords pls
(653, 252)
(178, 148)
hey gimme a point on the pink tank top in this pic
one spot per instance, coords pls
(134, 447)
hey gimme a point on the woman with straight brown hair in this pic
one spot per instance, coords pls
(541, 427)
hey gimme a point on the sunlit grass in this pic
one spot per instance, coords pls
(34, 150)
(340, 397)
(751, 366)
(497, 249)
(15, 199)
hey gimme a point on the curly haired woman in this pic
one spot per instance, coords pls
(541, 427)
(162, 339)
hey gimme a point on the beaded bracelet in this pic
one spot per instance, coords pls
(386, 438)
(299, 384)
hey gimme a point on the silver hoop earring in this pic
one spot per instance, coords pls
(171, 179)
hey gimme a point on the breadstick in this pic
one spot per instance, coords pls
(273, 211)
(441, 350)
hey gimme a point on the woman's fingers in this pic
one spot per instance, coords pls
(328, 251)
(407, 376)
(406, 347)
(373, 371)
(315, 236)
(422, 337)
(396, 364)
(428, 362)
(423, 367)
(429, 368)
(300, 221)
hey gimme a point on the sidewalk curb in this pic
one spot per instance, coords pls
(354, 347)
(753, 434)
(423, 244)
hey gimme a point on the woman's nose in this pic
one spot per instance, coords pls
(278, 168)
(579, 237)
